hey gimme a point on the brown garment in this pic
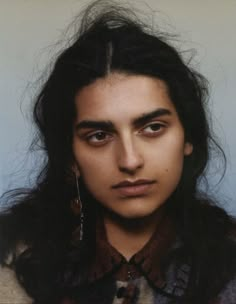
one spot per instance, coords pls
(146, 263)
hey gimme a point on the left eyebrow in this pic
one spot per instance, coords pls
(146, 117)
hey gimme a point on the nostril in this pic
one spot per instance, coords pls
(130, 168)
(129, 157)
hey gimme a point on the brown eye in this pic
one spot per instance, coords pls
(153, 129)
(98, 138)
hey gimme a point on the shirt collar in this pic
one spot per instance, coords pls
(148, 260)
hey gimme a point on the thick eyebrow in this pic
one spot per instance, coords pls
(146, 117)
(92, 124)
(109, 126)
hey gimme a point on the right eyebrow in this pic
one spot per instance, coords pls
(94, 124)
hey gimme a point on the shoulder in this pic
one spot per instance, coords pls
(10, 290)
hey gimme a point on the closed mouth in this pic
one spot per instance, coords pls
(127, 189)
(128, 183)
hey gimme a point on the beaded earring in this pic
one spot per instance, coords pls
(77, 208)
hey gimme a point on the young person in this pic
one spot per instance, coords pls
(116, 215)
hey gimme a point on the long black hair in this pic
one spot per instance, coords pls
(52, 263)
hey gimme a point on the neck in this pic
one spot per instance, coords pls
(128, 236)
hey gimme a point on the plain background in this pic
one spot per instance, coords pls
(29, 32)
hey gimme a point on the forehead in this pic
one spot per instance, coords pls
(120, 97)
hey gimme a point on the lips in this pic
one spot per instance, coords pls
(134, 188)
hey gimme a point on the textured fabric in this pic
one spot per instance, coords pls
(113, 280)
(139, 291)
(228, 295)
(10, 291)
(134, 291)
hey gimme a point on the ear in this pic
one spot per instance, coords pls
(188, 148)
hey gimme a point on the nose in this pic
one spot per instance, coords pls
(129, 156)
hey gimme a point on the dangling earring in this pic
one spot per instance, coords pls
(77, 207)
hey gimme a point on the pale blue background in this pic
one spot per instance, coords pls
(29, 30)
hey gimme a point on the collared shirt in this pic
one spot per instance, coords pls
(143, 279)
(147, 262)
(140, 279)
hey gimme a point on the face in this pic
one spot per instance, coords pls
(129, 143)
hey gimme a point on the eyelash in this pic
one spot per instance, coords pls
(107, 136)
(154, 132)
(89, 138)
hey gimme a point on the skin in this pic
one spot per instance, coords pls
(129, 148)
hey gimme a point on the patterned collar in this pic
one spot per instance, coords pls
(148, 262)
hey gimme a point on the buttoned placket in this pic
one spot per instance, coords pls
(129, 292)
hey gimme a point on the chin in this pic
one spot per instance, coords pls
(133, 209)
(137, 214)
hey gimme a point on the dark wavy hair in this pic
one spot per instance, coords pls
(52, 263)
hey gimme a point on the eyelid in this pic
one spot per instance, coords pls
(83, 133)
(162, 125)
(88, 137)
(154, 122)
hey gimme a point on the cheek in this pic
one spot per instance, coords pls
(86, 160)
(94, 170)
(169, 162)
